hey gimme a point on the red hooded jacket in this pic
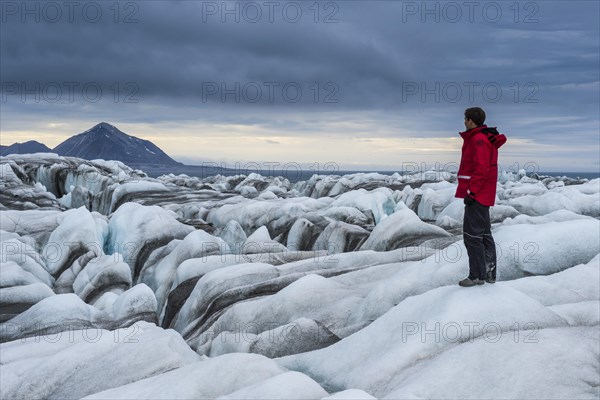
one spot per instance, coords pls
(478, 171)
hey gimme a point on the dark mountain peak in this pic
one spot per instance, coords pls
(104, 127)
(106, 141)
(28, 147)
(30, 143)
(107, 126)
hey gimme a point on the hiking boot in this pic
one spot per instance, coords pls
(470, 282)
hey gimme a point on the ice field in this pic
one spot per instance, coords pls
(118, 285)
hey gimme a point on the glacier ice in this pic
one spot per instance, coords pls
(117, 285)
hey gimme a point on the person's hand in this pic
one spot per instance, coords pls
(469, 200)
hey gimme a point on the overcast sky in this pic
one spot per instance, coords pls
(362, 85)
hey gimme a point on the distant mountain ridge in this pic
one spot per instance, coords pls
(31, 146)
(109, 143)
(103, 141)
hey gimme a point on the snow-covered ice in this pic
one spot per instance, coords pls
(117, 285)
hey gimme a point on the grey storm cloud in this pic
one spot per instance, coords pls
(377, 55)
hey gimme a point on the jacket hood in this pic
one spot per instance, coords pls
(496, 138)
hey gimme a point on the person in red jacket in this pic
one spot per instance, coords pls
(477, 177)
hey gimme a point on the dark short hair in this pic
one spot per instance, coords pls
(476, 115)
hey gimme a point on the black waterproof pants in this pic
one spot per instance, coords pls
(479, 242)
